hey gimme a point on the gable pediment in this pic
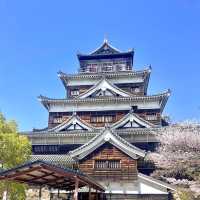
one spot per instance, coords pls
(74, 123)
(107, 137)
(104, 88)
(132, 120)
(105, 48)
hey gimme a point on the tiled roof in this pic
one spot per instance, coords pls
(61, 159)
(107, 136)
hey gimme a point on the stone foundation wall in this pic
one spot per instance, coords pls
(33, 194)
(136, 197)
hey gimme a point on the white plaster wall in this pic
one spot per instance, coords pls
(93, 106)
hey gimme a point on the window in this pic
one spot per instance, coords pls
(91, 68)
(57, 117)
(107, 164)
(57, 120)
(102, 119)
(128, 67)
(75, 92)
(151, 116)
(42, 149)
(107, 68)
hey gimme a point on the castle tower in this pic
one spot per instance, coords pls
(105, 123)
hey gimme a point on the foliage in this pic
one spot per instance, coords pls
(183, 194)
(15, 149)
(178, 156)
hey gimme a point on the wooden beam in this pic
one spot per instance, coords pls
(58, 171)
(34, 176)
(54, 180)
(63, 184)
(24, 172)
(41, 177)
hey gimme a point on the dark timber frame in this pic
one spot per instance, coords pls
(44, 174)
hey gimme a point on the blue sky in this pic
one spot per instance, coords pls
(39, 38)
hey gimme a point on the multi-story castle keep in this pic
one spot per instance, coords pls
(105, 124)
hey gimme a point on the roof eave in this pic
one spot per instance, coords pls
(89, 56)
(63, 77)
(158, 182)
(164, 100)
(44, 101)
(67, 77)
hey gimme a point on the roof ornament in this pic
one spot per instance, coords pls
(60, 73)
(105, 39)
(169, 92)
(149, 68)
(41, 97)
(107, 137)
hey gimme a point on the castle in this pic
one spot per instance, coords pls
(105, 125)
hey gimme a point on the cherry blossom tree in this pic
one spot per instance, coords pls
(178, 156)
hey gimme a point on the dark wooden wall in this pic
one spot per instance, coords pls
(128, 170)
(57, 118)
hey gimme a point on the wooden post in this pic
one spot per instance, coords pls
(90, 196)
(58, 193)
(51, 195)
(76, 189)
(96, 195)
(40, 193)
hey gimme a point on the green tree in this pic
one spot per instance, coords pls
(15, 149)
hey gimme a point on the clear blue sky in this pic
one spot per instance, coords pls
(39, 38)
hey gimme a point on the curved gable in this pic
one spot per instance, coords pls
(107, 137)
(105, 48)
(132, 120)
(104, 88)
(74, 123)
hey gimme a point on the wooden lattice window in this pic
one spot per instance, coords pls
(75, 92)
(107, 164)
(151, 116)
(102, 118)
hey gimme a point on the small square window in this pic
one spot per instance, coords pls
(74, 92)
